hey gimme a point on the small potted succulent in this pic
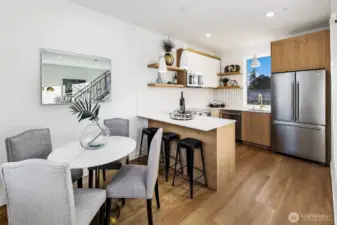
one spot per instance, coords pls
(167, 46)
(225, 81)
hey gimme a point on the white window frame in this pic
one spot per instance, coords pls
(245, 82)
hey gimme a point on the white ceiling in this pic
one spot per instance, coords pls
(232, 23)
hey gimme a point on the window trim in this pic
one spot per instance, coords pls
(245, 81)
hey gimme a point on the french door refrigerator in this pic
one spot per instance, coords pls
(298, 114)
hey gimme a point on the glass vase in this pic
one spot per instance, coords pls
(95, 136)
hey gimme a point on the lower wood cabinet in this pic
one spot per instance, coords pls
(256, 128)
(215, 113)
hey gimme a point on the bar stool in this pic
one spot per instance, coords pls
(150, 132)
(168, 137)
(190, 144)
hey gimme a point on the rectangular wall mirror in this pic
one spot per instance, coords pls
(69, 77)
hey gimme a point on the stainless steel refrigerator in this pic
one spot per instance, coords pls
(299, 114)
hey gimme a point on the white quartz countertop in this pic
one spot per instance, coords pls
(244, 110)
(202, 123)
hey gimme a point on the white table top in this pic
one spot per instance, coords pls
(202, 123)
(80, 158)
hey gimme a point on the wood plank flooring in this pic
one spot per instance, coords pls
(264, 190)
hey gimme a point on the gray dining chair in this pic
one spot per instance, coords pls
(117, 127)
(35, 144)
(48, 197)
(136, 181)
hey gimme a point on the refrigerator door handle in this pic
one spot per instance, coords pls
(305, 126)
(297, 101)
(292, 101)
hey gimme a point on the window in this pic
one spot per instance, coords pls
(258, 82)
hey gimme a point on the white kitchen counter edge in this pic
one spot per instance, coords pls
(202, 123)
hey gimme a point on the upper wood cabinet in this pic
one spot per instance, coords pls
(256, 128)
(300, 53)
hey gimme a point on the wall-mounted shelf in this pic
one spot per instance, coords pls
(229, 87)
(166, 85)
(170, 68)
(229, 74)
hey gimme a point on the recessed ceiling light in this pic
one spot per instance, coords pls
(208, 35)
(270, 14)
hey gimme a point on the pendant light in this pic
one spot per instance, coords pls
(255, 62)
(184, 58)
(162, 64)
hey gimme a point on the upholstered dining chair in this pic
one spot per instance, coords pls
(136, 181)
(117, 127)
(48, 197)
(35, 144)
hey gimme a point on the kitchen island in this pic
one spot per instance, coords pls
(218, 139)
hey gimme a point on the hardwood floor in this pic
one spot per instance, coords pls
(264, 190)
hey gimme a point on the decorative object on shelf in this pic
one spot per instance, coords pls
(233, 83)
(178, 115)
(161, 69)
(96, 134)
(232, 68)
(50, 89)
(167, 46)
(225, 81)
(226, 69)
(175, 78)
(255, 63)
(184, 58)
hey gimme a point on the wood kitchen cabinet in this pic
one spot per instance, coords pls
(256, 128)
(305, 52)
(215, 113)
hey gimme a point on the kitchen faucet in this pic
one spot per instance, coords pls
(261, 101)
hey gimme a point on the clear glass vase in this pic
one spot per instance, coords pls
(95, 136)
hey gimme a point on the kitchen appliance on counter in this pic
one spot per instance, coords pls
(299, 114)
(233, 115)
(194, 79)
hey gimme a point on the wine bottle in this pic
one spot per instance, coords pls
(175, 79)
(182, 103)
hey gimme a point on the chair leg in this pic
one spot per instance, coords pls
(157, 194)
(167, 159)
(149, 211)
(123, 202)
(104, 175)
(97, 178)
(140, 147)
(91, 178)
(203, 165)
(175, 165)
(80, 183)
(127, 160)
(107, 211)
(190, 168)
(102, 214)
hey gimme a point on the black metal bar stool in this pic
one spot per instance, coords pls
(168, 137)
(190, 144)
(150, 132)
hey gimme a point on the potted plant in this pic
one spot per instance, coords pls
(225, 81)
(167, 46)
(96, 134)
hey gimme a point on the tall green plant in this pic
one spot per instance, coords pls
(85, 110)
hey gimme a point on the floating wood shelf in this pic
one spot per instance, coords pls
(166, 85)
(229, 87)
(170, 68)
(229, 74)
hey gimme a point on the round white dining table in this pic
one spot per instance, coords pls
(80, 158)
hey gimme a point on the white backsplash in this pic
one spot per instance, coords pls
(233, 98)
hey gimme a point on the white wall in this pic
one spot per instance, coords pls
(27, 26)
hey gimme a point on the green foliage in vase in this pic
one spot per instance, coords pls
(85, 110)
(62, 100)
(167, 45)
